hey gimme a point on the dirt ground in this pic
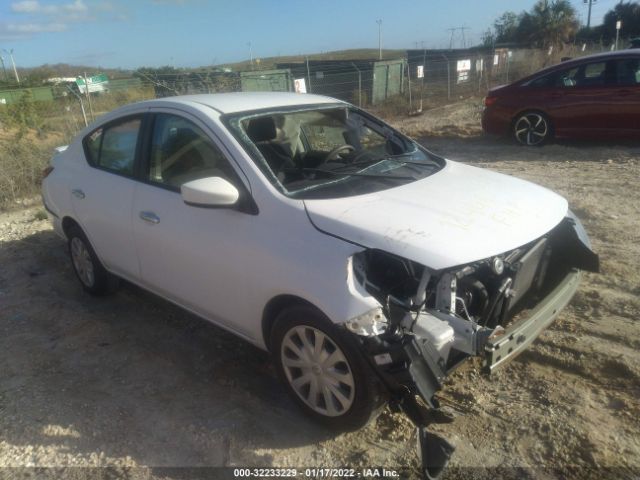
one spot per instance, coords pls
(131, 381)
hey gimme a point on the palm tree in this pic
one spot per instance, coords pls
(550, 23)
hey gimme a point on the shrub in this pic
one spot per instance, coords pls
(22, 159)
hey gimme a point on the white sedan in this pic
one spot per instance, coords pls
(368, 266)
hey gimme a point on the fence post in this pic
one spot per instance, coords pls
(424, 75)
(409, 84)
(359, 84)
(308, 74)
(86, 86)
(84, 115)
(508, 62)
(448, 76)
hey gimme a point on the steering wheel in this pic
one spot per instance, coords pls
(333, 154)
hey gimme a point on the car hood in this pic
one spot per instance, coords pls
(458, 215)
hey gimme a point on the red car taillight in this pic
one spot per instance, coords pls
(47, 171)
(488, 101)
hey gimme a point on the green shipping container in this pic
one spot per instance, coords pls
(388, 78)
(267, 81)
(38, 94)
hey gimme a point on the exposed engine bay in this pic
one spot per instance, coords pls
(431, 321)
(457, 310)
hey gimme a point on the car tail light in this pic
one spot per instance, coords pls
(488, 101)
(47, 171)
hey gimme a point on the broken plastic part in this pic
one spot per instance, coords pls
(434, 453)
(368, 324)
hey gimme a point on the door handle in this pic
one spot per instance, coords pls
(77, 193)
(150, 217)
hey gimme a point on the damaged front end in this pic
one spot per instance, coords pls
(431, 321)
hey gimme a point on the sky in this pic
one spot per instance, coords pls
(191, 33)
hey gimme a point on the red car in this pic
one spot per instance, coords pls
(596, 96)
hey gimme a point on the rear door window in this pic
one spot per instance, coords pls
(113, 147)
(587, 75)
(543, 82)
(568, 78)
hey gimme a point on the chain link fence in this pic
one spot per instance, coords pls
(34, 120)
(423, 79)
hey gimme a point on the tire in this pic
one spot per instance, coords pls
(532, 129)
(348, 394)
(92, 275)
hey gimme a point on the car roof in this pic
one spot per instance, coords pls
(247, 101)
(580, 60)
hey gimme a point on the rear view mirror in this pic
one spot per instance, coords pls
(209, 192)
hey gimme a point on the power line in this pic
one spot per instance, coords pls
(462, 29)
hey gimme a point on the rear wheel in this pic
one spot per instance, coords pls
(323, 369)
(532, 128)
(92, 275)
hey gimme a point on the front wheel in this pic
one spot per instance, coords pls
(323, 369)
(532, 128)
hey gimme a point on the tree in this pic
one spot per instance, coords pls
(548, 23)
(629, 14)
(506, 27)
(551, 23)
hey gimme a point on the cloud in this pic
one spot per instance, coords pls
(27, 28)
(42, 17)
(17, 31)
(28, 6)
(34, 7)
(170, 2)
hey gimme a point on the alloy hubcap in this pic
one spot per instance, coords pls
(531, 129)
(82, 261)
(317, 370)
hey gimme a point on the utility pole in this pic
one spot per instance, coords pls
(589, 14)
(379, 22)
(250, 54)
(15, 70)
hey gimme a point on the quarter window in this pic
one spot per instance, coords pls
(181, 152)
(628, 71)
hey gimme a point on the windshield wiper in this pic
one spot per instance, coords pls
(349, 174)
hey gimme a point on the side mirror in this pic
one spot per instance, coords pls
(209, 192)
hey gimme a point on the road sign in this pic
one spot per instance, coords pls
(300, 86)
(97, 83)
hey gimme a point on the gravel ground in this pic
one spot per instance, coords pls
(132, 382)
